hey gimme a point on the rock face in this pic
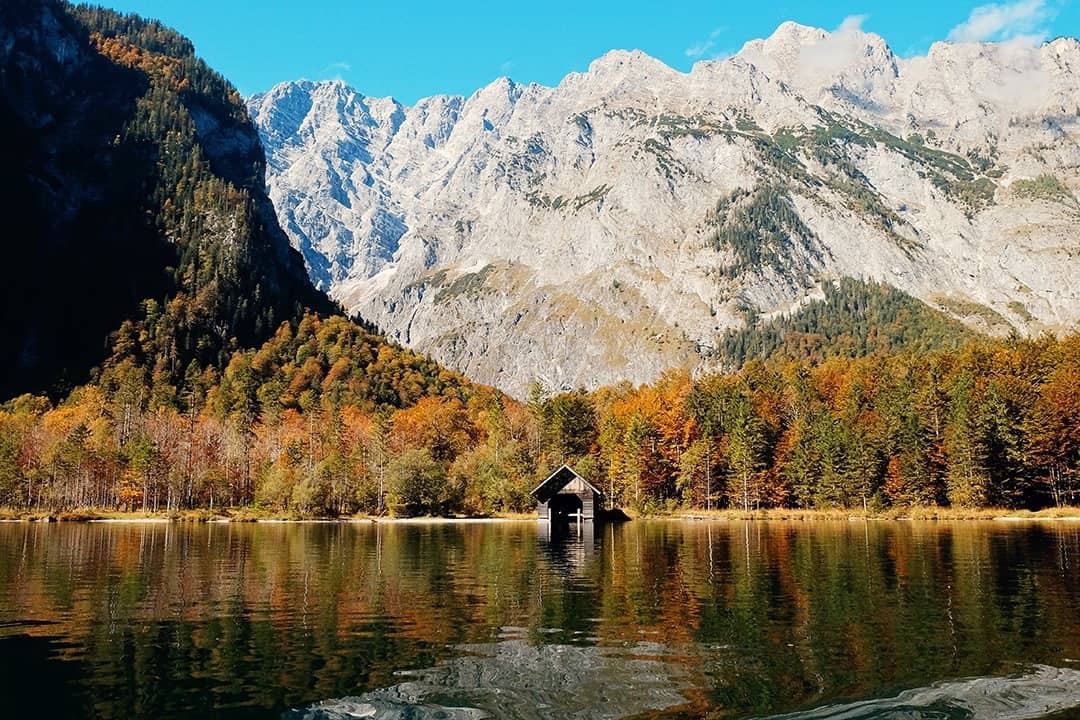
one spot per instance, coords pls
(615, 225)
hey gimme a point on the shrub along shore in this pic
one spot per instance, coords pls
(247, 515)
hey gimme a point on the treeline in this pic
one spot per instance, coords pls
(316, 421)
(992, 424)
(325, 419)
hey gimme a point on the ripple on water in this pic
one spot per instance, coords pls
(1037, 692)
(512, 679)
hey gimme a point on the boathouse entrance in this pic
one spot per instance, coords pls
(565, 506)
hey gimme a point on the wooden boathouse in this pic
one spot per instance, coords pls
(565, 495)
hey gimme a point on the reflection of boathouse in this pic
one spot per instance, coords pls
(565, 495)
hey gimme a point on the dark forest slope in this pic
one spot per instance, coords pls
(133, 192)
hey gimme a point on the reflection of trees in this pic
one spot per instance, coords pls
(167, 617)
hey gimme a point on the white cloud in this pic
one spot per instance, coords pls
(334, 70)
(1023, 85)
(1022, 21)
(850, 24)
(835, 52)
(506, 67)
(706, 47)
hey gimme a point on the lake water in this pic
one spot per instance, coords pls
(653, 619)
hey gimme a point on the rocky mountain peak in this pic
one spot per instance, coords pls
(498, 96)
(1064, 46)
(787, 40)
(617, 224)
(628, 63)
(855, 66)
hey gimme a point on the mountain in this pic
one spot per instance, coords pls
(628, 219)
(134, 188)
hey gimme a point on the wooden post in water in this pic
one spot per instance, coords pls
(708, 480)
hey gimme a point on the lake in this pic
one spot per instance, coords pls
(653, 619)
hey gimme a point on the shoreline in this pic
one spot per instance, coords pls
(907, 514)
(243, 516)
(240, 516)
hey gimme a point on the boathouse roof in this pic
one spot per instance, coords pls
(559, 479)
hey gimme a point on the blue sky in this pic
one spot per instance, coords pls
(413, 49)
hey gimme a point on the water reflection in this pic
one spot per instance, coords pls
(568, 545)
(755, 619)
(514, 679)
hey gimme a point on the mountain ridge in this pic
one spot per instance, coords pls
(486, 229)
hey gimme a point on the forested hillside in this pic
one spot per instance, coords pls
(854, 318)
(133, 178)
(326, 419)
